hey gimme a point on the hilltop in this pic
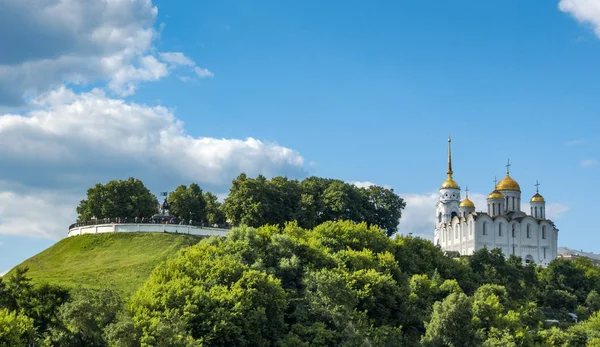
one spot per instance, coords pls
(124, 260)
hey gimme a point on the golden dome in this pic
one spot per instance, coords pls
(508, 183)
(467, 203)
(449, 183)
(496, 195)
(537, 198)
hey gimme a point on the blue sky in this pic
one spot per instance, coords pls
(175, 93)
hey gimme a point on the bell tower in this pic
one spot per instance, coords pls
(448, 204)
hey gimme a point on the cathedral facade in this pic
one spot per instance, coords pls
(461, 229)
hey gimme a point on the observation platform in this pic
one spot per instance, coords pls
(128, 227)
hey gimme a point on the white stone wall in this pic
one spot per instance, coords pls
(466, 235)
(147, 228)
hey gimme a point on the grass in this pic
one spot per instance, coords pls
(122, 260)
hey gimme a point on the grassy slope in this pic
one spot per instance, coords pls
(121, 259)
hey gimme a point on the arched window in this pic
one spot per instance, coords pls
(544, 233)
(528, 232)
(493, 210)
(513, 230)
(506, 207)
(513, 206)
(536, 214)
(500, 229)
(439, 217)
(484, 227)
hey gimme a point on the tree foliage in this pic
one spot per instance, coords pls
(187, 203)
(119, 198)
(313, 201)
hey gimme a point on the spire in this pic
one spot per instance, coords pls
(467, 191)
(449, 157)
(508, 167)
(537, 186)
(495, 182)
(449, 183)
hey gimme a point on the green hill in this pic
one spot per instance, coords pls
(124, 260)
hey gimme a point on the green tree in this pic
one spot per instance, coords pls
(214, 212)
(15, 329)
(118, 198)
(593, 301)
(247, 201)
(86, 316)
(188, 203)
(384, 208)
(38, 302)
(450, 323)
(218, 302)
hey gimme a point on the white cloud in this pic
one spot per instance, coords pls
(3, 273)
(418, 217)
(585, 11)
(176, 58)
(588, 162)
(203, 73)
(81, 42)
(39, 215)
(92, 134)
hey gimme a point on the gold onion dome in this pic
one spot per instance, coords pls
(508, 183)
(467, 203)
(537, 198)
(450, 183)
(496, 195)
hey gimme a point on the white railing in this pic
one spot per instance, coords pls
(146, 228)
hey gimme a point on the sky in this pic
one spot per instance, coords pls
(175, 92)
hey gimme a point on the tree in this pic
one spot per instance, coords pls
(450, 323)
(118, 198)
(384, 208)
(15, 329)
(218, 302)
(86, 316)
(188, 203)
(247, 203)
(214, 211)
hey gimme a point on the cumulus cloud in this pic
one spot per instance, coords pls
(76, 136)
(585, 11)
(588, 162)
(80, 42)
(43, 215)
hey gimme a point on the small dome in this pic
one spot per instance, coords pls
(467, 203)
(537, 198)
(508, 183)
(449, 183)
(496, 195)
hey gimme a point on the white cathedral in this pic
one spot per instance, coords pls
(459, 228)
